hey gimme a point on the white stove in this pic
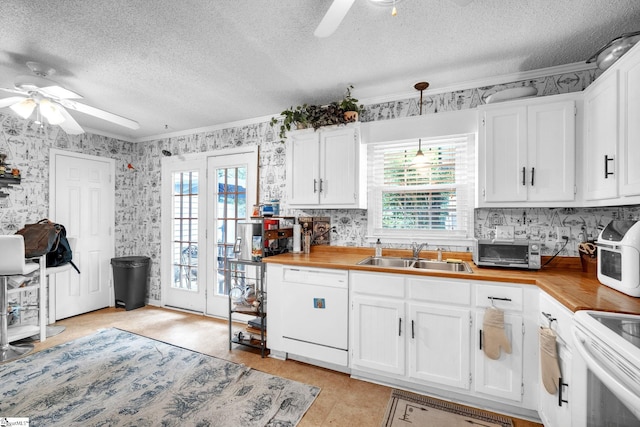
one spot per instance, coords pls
(607, 379)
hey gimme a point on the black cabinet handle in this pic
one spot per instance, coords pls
(560, 385)
(480, 338)
(413, 332)
(400, 327)
(606, 166)
(533, 171)
(315, 185)
(524, 178)
(321, 186)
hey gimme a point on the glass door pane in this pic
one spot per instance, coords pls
(231, 195)
(185, 231)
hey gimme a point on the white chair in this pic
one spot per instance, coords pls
(12, 263)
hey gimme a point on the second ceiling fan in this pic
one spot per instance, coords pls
(339, 9)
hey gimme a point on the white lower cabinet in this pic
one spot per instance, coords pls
(423, 333)
(555, 409)
(376, 322)
(378, 341)
(501, 377)
(439, 345)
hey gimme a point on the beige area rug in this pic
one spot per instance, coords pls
(408, 409)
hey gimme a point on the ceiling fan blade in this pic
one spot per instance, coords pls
(21, 92)
(58, 92)
(101, 114)
(6, 102)
(69, 125)
(334, 16)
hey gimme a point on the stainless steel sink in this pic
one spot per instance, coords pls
(420, 263)
(392, 262)
(460, 267)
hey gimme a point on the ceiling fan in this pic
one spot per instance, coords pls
(339, 8)
(51, 101)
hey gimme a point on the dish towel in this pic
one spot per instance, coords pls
(494, 334)
(549, 368)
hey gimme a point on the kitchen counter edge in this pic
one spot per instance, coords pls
(563, 280)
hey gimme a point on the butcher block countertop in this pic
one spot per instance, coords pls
(563, 278)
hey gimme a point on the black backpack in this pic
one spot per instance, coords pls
(61, 253)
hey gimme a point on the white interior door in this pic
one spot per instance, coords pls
(82, 193)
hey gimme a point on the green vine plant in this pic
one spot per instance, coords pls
(316, 116)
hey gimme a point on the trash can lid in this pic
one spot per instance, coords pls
(127, 261)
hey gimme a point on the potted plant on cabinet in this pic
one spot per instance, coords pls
(350, 107)
(317, 116)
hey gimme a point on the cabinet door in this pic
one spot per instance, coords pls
(339, 167)
(630, 125)
(555, 409)
(439, 345)
(551, 152)
(503, 155)
(378, 335)
(601, 138)
(303, 185)
(501, 377)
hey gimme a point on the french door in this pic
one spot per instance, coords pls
(204, 196)
(234, 180)
(184, 188)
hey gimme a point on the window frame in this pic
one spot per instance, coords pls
(462, 238)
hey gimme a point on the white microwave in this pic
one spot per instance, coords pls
(619, 257)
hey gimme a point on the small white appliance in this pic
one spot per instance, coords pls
(619, 256)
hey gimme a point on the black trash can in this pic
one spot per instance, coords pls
(130, 279)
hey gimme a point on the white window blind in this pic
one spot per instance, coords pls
(433, 199)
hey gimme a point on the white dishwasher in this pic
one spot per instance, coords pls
(316, 314)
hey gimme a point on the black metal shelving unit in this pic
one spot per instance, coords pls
(247, 296)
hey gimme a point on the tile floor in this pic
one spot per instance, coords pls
(343, 401)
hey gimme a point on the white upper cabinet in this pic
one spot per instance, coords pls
(612, 134)
(601, 138)
(326, 168)
(629, 151)
(527, 152)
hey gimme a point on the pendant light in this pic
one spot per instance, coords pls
(420, 159)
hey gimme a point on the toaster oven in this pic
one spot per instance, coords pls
(517, 253)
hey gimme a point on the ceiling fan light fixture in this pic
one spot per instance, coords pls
(24, 108)
(51, 112)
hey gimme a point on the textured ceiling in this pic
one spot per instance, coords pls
(178, 65)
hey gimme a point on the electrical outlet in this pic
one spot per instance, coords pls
(562, 232)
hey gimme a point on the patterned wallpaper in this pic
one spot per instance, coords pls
(138, 192)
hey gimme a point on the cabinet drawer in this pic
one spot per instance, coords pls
(504, 297)
(440, 291)
(562, 317)
(390, 285)
(310, 276)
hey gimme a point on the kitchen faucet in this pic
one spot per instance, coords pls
(417, 248)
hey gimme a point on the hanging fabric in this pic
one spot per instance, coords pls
(494, 335)
(549, 367)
